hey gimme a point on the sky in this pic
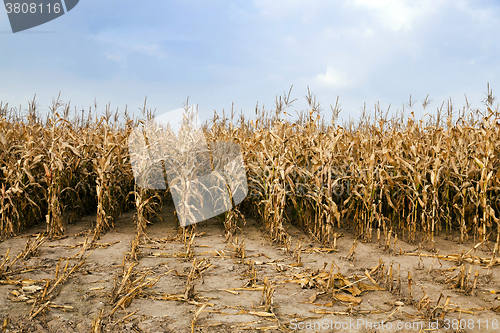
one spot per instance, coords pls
(220, 52)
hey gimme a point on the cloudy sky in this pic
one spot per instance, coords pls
(218, 51)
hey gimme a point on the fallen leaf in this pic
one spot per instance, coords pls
(262, 314)
(349, 299)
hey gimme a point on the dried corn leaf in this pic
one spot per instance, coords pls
(349, 299)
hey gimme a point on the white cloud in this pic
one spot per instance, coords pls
(481, 15)
(117, 55)
(153, 50)
(123, 43)
(397, 15)
(332, 79)
(301, 11)
(277, 9)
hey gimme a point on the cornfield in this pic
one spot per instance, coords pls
(383, 177)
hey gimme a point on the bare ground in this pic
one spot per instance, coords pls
(228, 293)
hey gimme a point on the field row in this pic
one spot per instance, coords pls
(384, 177)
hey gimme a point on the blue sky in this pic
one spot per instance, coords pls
(219, 52)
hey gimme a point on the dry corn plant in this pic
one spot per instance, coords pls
(231, 219)
(227, 162)
(52, 288)
(189, 242)
(195, 317)
(21, 195)
(111, 175)
(464, 280)
(296, 252)
(31, 247)
(20, 192)
(5, 265)
(58, 169)
(97, 322)
(351, 256)
(147, 204)
(134, 249)
(195, 272)
(198, 192)
(30, 250)
(121, 286)
(148, 172)
(239, 249)
(345, 289)
(267, 299)
(132, 284)
(268, 168)
(252, 273)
